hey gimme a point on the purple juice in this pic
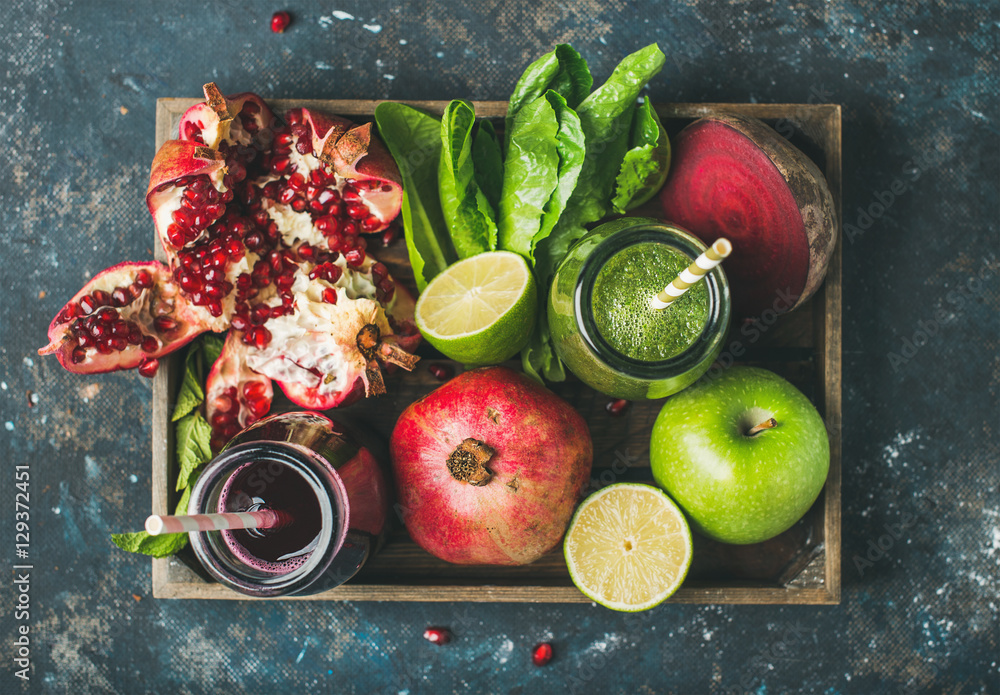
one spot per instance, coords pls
(270, 485)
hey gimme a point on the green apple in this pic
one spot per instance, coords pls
(745, 454)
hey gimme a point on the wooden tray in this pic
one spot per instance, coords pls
(801, 566)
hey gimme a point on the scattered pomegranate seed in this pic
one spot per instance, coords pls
(618, 407)
(441, 372)
(149, 368)
(280, 22)
(542, 654)
(437, 635)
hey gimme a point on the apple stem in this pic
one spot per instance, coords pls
(766, 425)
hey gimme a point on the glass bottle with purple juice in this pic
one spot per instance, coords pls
(319, 476)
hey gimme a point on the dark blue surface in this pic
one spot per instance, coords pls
(920, 94)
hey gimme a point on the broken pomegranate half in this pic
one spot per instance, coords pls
(127, 316)
(262, 225)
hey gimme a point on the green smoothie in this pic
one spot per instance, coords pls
(601, 322)
(622, 310)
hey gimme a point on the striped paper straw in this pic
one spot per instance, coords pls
(712, 257)
(266, 518)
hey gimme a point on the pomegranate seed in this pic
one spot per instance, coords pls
(215, 308)
(104, 348)
(355, 257)
(224, 404)
(253, 390)
(134, 335)
(189, 282)
(121, 296)
(164, 324)
(330, 295)
(617, 407)
(78, 355)
(371, 223)
(287, 196)
(437, 635)
(259, 337)
(107, 315)
(389, 235)
(259, 314)
(542, 654)
(215, 290)
(149, 344)
(149, 368)
(280, 22)
(120, 328)
(221, 419)
(99, 330)
(328, 225)
(441, 372)
(299, 205)
(259, 406)
(102, 298)
(118, 343)
(350, 194)
(357, 211)
(85, 340)
(87, 304)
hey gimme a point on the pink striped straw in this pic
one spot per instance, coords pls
(265, 518)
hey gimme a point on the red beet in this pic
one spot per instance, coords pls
(735, 177)
(489, 467)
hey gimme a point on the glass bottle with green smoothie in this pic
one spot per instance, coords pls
(602, 318)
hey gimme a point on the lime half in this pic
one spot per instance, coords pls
(628, 547)
(480, 310)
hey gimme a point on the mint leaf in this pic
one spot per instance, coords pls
(157, 546)
(182, 504)
(190, 395)
(194, 435)
(211, 346)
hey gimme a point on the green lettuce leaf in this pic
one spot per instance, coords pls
(606, 118)
(487, 161)
(530, 175)
(647, 161)
(467, 212)
(562, 70)
(414, 140)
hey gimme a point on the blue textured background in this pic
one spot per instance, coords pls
(919, 89)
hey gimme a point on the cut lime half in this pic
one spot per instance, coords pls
(628, 547)
(480, 310)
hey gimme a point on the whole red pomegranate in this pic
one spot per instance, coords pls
(489, 468)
